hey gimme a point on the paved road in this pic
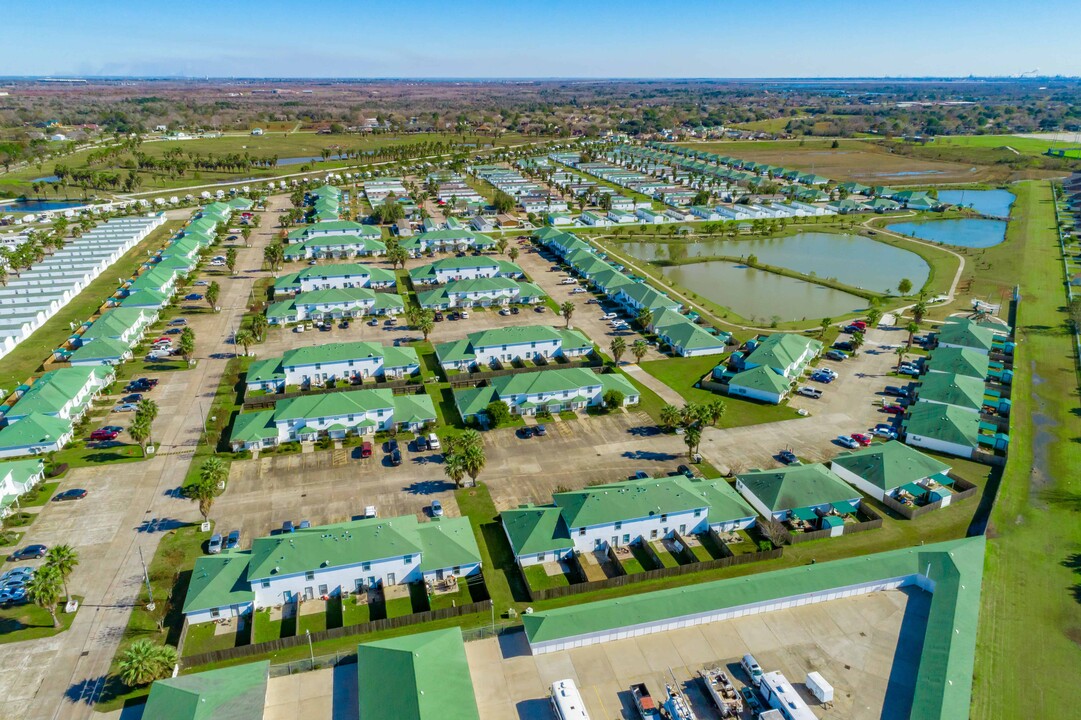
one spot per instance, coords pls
(61, 677)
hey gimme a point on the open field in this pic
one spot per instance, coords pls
(1030, 620)
(858, 160)
(281, 145)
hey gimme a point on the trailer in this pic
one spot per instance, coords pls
(647, 709)
(723, 691)
(819, 687)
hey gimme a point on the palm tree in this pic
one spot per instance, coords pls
(473, 460)
(639, 348)
(873, 316)
(919, 310)
(426, 323)
(714, 411)
(213, 292)
(258, 326)
(692, 436)
(826, 322)
(670, 416)
(139, 431)
(205, 490)
(144, 662)
(912, 328)
(857, 342)
(243, 338)
(230, 259)
(501, 245)
(900, 357)
(566, 310)
(64, 558)
(618, 347)
(454, 467)
(645, 318)
(513, 254)
(44, 590)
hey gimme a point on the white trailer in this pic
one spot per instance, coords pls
(819, 687)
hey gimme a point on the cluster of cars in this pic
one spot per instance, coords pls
(910, 368)
(855, 440)
(13, 586)
(217, 543)
(824, 375)
(394, 451)
(529, 431)
(510, 311)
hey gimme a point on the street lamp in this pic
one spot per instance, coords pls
(311, 650)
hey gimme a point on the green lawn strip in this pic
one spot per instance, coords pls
(642, 559)
(227, 403)
(265, 629)
(201, 638)
(501, 573)
(1030, 617)
(39, 495)
(539, 579)
(26, 359)
(30, 622)
(354, 613)
(438, 601)
(312, 622)
(399, 607)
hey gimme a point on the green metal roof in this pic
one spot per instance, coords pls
(761, 378)
(472, 401)
(34, 429)
(446, 543)
(725, 504)
(218, 581)
(797, 486)
(343, 352)
(966, 333)
(333, 404)
(367, 242)
(103, 349)
(230, 693)
(423, 676)
(961, 390)
(533, 529)
(619, 382)
(961, 361)
(890, 465)
(628, 500)
(414, 408)
(944, 679)
(545, 381)
(264, 370)
(943, 422)
(781, 350)
(54, 389)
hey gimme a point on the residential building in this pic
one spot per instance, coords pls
(336, 246)
(65, 393)
(623, 513)
(328, 277)
(684, 337)
(942, 428)
(959, 361)
(333, 415)
(18, 477)
(784, 353)
(421, 676)
(807, 493)
(35, 434)
(480, 292)
(448, 269)
(968, 333)
(893, 469)
(319, 365)
(760, 383)
(639, 296)
(236, 692)
(545, 390)
(334, 304)
(328, 228)
(961, 391)
(330, 561)
(505, 345)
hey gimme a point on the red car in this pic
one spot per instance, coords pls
(104, 434)
(366, 449)
(894, 410)
(862, 439)
(860, 324)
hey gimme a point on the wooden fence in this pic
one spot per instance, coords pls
(873, 522)
(265, 648)
(965, 491)
(538, 594)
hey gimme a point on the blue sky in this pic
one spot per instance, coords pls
(545, 38)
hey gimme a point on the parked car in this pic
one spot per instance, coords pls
(609, 316)
(133, 398)
(895, 391)
(685, 471)
(366, 449)
(193, 296)
(822, 377)
(369, 511)
(539, 308)
(433, 442)
(213, 547)
(103, 434)
(288, 527)
(173, 331)
(19, 574)
(464, 314)
(72, 494)
(395, 457)
(540, 430)
(788, 457)
(851, 329)
(304, 525)
(392, 445)
(343, 325)
(578, 291)
(437, 508)
(232, 540)
(505, 311)
(30, 552)
(884, 431)
(846, 441)
(15, 595)
(910, 370)
(438, 316)
(178, 321)
(894, 410)
(640, 475)
(836, 355)
(514, 311)
(524, 432)
(843, 345)
(452, 316)
(125, 407)
(808, 391)
(862, 438)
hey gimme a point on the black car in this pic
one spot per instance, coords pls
(73, 494)
(514, 311)
(846, 346)
(895, 391)
(685, 471)
(540, 431)
(395, 457)
(787, 457)
(30, 552)
(452, 316)
(344, 325)
(524, 432)
(438, 317)
(133, 398)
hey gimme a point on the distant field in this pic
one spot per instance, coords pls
(858, 160)
(280, 144)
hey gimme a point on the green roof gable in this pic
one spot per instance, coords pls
(231, 693)
(797, 486)
(943, 422)
(532, 529)
(628, 500)
(218, 581)
(890, 465)
(961, 390)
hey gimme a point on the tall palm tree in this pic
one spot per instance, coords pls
(639, 348)
(454, 468)
(243, 338)
(670, 416)
(64, 558)
(618, 347)
(912, 329)
(44, 590)
(567, 310)
(645, 318)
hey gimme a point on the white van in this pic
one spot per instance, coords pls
(752, 668)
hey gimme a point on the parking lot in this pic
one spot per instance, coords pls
(868, 647)
(336, 485)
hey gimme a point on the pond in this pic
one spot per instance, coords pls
(36, 206)
(758, 295)
(850, 259)
(967, 232)
(992, 203)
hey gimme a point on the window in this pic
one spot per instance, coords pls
(408, 559)
(309, 575)
(322, 590)
(366, 566)
(458, 568)
(698, 512)
(619, 525)
(626, 538)
(664, 517)
(215, 613)
(265, 584)
(581, 532)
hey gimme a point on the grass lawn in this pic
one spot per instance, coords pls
(639, 561)
(312, 622)
(399, 607)
(265, 629)
(667, 558)
(30, 622)
(1027, 653)
(354, 613)
(25, 360)
(501, 573)
(539, 579)
(39, 495)
(77, 455)
(455, 599)
(201, 639)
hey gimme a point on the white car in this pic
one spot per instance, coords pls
(217, 263)
(609, 316)
(433, 441)
(808, 391)
(578, 290)
(568, 281)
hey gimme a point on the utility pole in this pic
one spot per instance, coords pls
(311, 650)
(146, 577)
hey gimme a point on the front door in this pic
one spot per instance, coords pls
(439, 574)
(390, 578)
(309, 593)
(615, 540)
